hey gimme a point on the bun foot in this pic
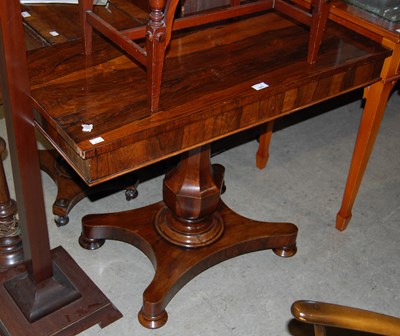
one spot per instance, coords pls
(285, 252)
(131, 193)
(152, 322)
(90, 244)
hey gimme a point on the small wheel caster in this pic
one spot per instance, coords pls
(131, 194)
(61, 220)
(223, 188)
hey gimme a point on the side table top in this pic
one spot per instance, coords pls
(207, 91)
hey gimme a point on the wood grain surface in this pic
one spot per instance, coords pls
(206, 93)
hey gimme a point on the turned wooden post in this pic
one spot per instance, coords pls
(11, 252)
(192, 194)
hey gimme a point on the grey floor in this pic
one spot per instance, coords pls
(303, 183)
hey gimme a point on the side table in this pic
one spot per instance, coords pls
(388, 35)
(377, 95)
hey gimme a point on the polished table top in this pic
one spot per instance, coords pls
(206, 92)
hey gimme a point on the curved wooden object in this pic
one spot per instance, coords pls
(326, 314)
(189, 232)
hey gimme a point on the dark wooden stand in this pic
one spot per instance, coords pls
(48, 294)
(187, 233)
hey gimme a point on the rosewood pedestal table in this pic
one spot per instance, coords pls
(208, 93)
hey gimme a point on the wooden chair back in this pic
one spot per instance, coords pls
(162, 22)
(323, 315)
